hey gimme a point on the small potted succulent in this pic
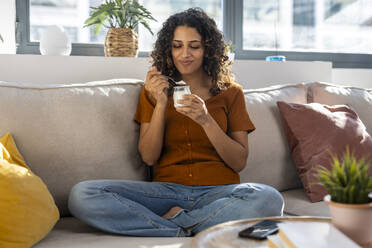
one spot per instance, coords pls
(121, 17)
(349, 196)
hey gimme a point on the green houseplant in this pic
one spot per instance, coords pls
(121, 17)
(349, 190)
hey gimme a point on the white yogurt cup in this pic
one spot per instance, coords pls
(179, 90)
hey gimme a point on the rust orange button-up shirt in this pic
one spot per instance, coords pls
(188, 157)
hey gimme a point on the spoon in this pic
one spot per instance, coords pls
(171, 81)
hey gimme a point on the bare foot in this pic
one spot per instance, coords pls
(172, 212)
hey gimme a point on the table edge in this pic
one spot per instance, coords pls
(196, 238)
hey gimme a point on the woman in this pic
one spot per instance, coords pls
(197, 149)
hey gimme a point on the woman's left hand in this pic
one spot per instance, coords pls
(194, 108)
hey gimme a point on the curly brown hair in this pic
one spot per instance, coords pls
(215, 62)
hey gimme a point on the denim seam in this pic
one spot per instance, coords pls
(216, 212)
(151, 195)
(201, 198)
(180, 231)
(155, 225)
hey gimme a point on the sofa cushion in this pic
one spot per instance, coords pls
(358, 98)
(72, 233)
(27, 209)
(71, 133)
(269, 160)
(297, 203)
(315, 131)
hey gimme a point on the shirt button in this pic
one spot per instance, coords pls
(189, 144)
(186, 132)
(190, 175)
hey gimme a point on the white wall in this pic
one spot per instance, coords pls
(249, 73)
(353, 77)
(260, 73)
(7, 26)
(78, 69)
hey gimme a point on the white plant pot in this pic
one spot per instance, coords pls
(354, 220)
(54, 41)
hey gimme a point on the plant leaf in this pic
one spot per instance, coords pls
(97, 28)
(348, 180)
(119, 13)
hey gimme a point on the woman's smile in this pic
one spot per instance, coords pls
(185, 62)
(187, 50)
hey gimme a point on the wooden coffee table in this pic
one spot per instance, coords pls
(225, 235)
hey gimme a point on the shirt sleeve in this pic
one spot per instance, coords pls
(238, 118)
(145, 108)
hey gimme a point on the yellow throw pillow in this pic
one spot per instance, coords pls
(9, 151)
(27, 209)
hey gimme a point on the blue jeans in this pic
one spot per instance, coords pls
(135, 208)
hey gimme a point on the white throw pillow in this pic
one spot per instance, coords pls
(358, 98)
(269, 159)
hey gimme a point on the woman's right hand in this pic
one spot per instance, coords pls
(157, 85)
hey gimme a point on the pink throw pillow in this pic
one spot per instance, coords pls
(315, 131)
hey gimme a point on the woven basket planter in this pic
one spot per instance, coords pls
(121, 42)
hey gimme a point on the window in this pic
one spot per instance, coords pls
(33, 16)
(335, 26)
(335, 30)
(325, 30)
(162, 9)
(69, 14)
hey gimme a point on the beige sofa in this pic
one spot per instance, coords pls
(71, 133)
